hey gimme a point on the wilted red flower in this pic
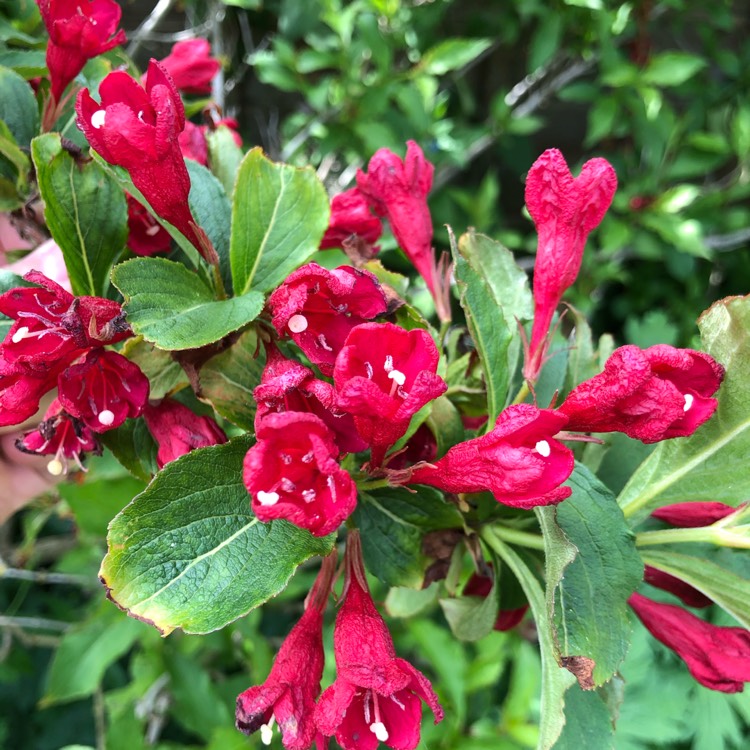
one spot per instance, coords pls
(518, 461)
(62, 436)
(384, 375)
(693, 515)
(376, 697)
(689, 595)
(287, 385)
(717, 657)
(288, 695)
(103, 390)
(78, 30)
(178, 430)
(351, 221)
(507, 619)
(191, 66)
(292, 473)
(318, 308)
(649, 394)
(139, 130)
(53, 327)
(145, 235)
(564, 209)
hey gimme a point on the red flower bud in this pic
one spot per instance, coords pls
(145, 235)
(178, 430)
(717, 657)
(564, 209)
(78, 30)
(351, 219)
(292, 473)
(318, 308)
(191, 66)
(384, 375)
(507, 619)
(103, 390)
(689, 595)
(518, 461)
(693, 515)
(650, 394)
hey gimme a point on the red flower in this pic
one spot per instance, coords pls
(351, 221)
(178, 430)
(78, 30)
(398, 189)
(564, 209)
(376, 697)
(384, 375)
(507, 619)
(689, 595)
(53, 327)
(693, 515)
(103, 390)
(717, 657)
(21, 391)
(191, 66)
(62, 436)
(292, 473)
(288, 386)
(518, 461)
(288, 695)
(145, 235)
(139, 130)
(318, 308)
(193, 143)
(651, 395)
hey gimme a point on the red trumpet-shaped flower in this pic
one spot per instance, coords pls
(191, 66)
(292, 473)
(145, 235)
(564, 209)
(650, 394)
(103, 390)
(352, 222)
(376, 697)
(288, 695)
(684, 591)
(693, 515)
(178, 430)
(139, 129)
(62, 436)
(717, 657)
(78, 30)
(518, 461)
(384, 375)
(287, 385)
(318, 308)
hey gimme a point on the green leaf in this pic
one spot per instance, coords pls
(451, 54)
(228, 380)
(132, 445)
(393, 522)
(224, 156)
(28, 63)
(730, 591)
(445, 424)
(86, 651)
(189, 553)
(278, 219)
(672, 68)
(587, 596)
(472, 617)
(9, 281)
(712, 463)
(18, 108)
(495, 296)
(85, 211)
(588, 722)
(164, 373)
(173, 308)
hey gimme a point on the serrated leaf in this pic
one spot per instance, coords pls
(173, 308)
(587, 596)
(712, 463)
(278, 219)
(18, 108)
(28, 63)
(85, 211)
(189, 553)
(451, 54)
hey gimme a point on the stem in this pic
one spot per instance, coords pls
(35, 623)
(522, 393)
(374, 484)
(675, 536)
(100, 721)
(516, 536)
(42, 577)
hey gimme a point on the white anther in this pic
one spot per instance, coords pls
(688, 401)
(322, 341)
(308, 495)
(542, 448)
(308, 458)
(388, 366)
(297, 323)
(288, 485)
(151, 231)
(368, 368)
(106, 417)
(267, 498)
(55, 467)
(398, 376)
(266, 734)
(140, 115)
(97, 119)
(20, 334)
(379, 730)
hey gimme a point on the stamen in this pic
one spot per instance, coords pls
(288, 485)
(308, 495)
(366, 702)
(97, 119)
(267, 498)
(55, 467)
(379, 730)
(286, 458)
(388, 366)
(20, 335)
(332, 487)
(297, 323)
(106, 417)
(542, 448)
(369, 369)
(688, 402)
(307, 458)
(151, 231)
(322, 341)
(266, 732)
